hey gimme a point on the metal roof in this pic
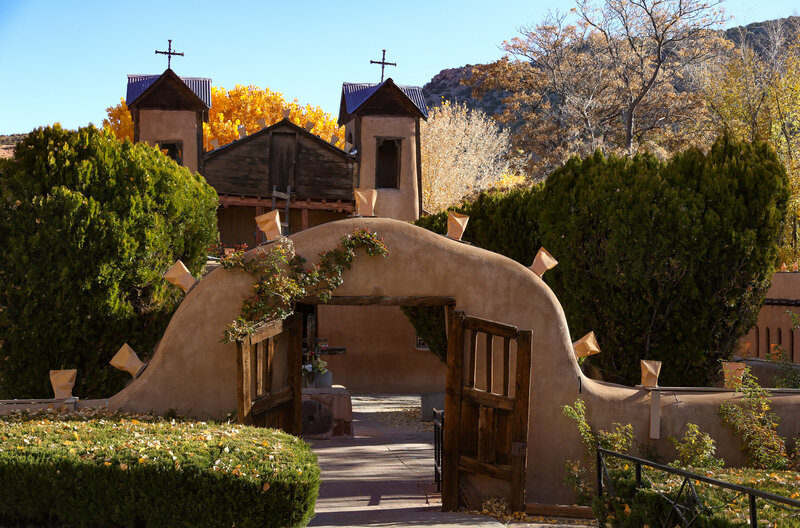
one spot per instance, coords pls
(356, 93)
(137, 84)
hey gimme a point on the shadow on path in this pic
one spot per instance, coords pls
(382, 477)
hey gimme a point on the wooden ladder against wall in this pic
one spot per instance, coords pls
(269, 384)
(485, 428)
(283, 196)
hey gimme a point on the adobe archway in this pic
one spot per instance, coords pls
(194, 374)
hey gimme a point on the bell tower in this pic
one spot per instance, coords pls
(167, 111)
(382, 123)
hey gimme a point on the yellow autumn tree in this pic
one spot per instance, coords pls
(754, 94)
(256, 108)
(251, 106)
(119, 120)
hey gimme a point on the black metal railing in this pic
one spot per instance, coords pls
(695, 504)
(438, 447)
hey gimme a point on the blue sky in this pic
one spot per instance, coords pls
(67, 61)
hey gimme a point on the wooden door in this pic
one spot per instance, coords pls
(486, 427)
(269, 384)
(282, 147)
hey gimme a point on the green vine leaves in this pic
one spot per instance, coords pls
(282, 278)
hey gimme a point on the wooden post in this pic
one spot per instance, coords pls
(452, 406)
(295, 363)
(519, 428)
(304, 219)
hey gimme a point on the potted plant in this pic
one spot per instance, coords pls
(315, 371)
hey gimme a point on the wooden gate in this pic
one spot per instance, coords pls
(269, 384)
(485, 427)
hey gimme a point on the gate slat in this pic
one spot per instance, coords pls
(486, 450)
(261, 367)
(506, 365)
(487, 399)
(243, 378)
(488, 355)
(473, 351)
(492, 327)
(267, 403)
(270, 356)
(498, 471)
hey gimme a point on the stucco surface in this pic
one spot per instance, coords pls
(193, 373)
(401, 203)
(382, 360)
(171, 125)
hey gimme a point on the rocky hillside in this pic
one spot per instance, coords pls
(447, 84)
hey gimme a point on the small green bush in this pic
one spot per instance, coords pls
(619, 440)
(696, 449)
(97, 469)
(88, 225)
(753, 422)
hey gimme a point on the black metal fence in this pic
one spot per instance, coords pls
(696, 506)
(438, 446)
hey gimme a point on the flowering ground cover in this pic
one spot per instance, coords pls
(94, 468)
(722, 507)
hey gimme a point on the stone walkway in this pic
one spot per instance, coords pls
(384, 475)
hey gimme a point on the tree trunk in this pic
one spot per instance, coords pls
(627, 118)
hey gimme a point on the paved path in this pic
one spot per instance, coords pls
(383, 476)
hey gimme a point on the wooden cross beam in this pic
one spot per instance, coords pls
(169, 53)
(383, 63)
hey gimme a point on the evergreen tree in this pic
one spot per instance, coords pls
(88, 224)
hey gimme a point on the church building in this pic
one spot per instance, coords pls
(284, 166)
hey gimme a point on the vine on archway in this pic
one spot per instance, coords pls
(282, 278)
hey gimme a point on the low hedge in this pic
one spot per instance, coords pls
(95, 469)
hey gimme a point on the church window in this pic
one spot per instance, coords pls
(173, 149)
(387, 163)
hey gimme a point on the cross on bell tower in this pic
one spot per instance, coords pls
(169, 53)
(383, 63)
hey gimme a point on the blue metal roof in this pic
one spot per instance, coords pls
(356, 93)
(137, 84)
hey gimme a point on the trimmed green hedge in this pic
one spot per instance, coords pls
(98, 469)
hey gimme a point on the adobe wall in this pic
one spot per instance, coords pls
(384, 358)
(774, 325)
(172, 125)
(401, 203)
(194, 374)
